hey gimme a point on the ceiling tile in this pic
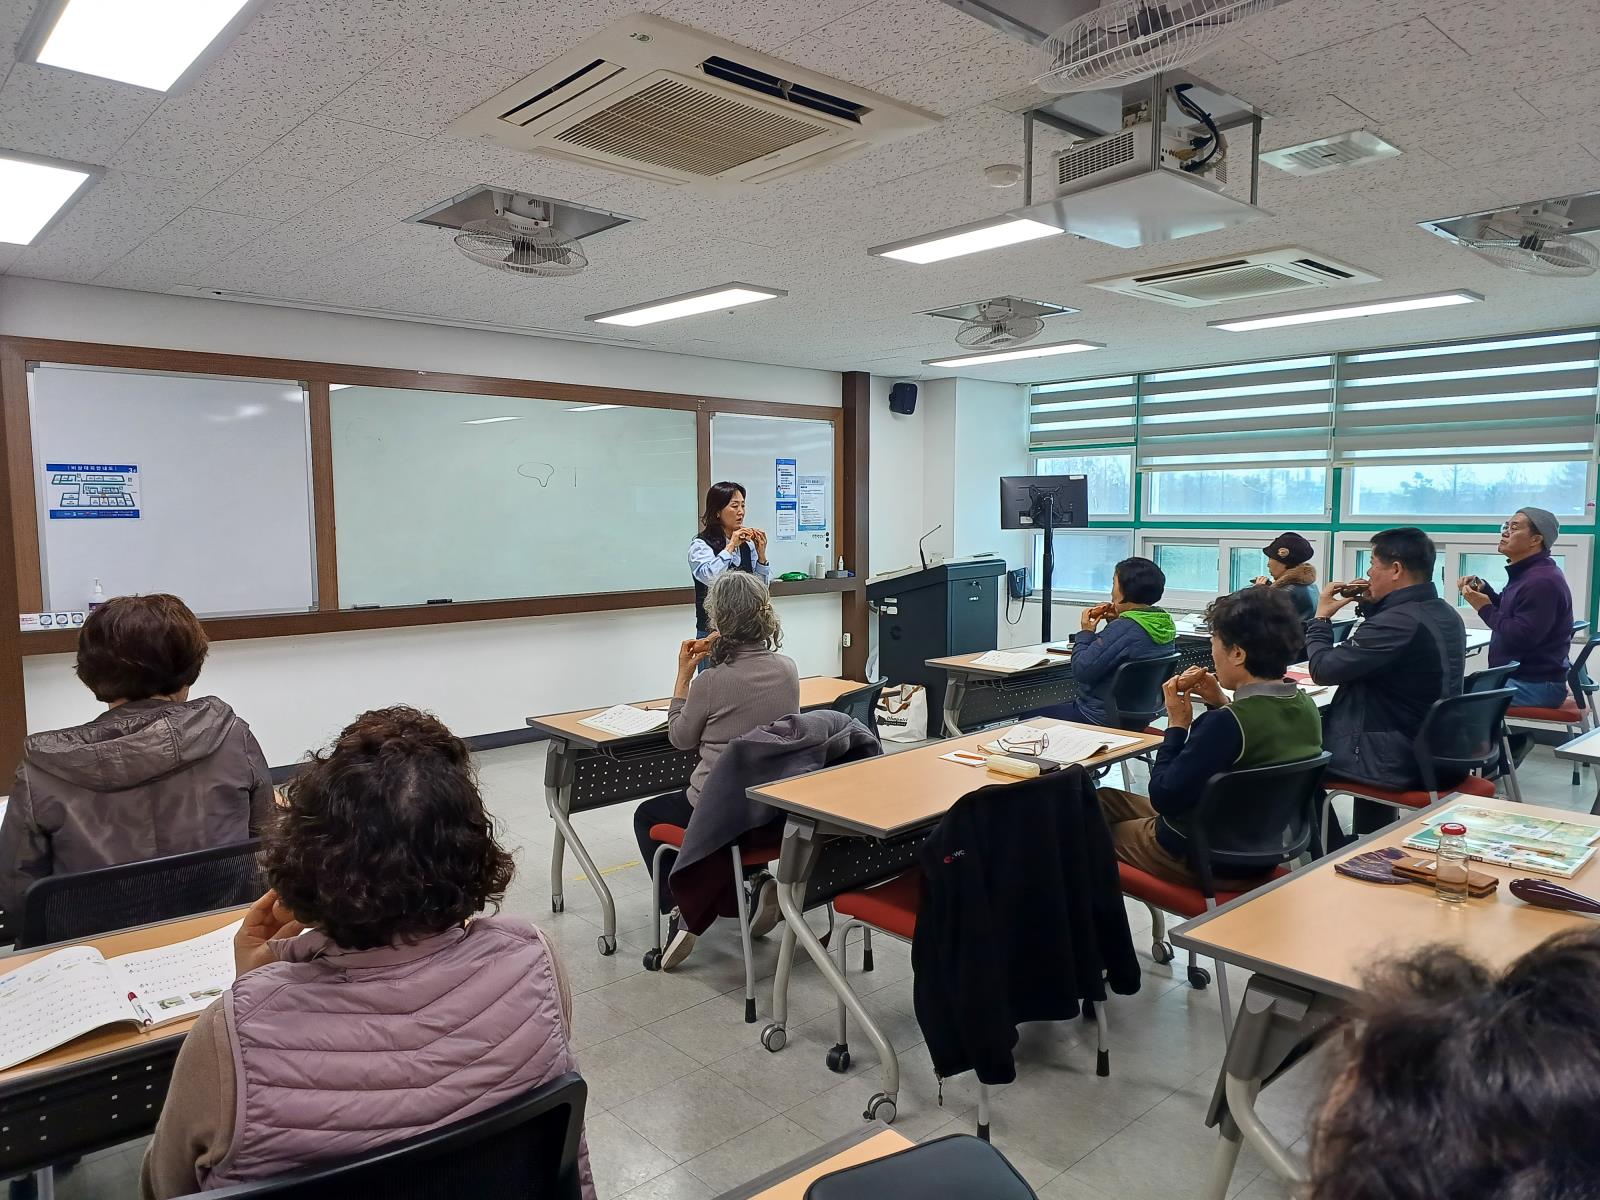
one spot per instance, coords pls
(763, 27)
(1483, 27)
(515, 33)
(325, 148)
(883, 39)
(1482, 127)
(184, 245)
(195, 154)
(252, 192)
(420, 90)
(1315, 117)
(1564, 169)
(1562, 99)
(118, 212)
(45, 110)
(8, 255)
(973, 75)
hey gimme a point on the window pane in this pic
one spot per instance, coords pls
(1110, 480)
(1491, 568)
(1084, 561)
(1245, 565)
(1364, 560)
(1188, 567)
(1469, 489)
(1242, 492)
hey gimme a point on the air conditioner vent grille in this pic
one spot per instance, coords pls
(1098, 156)
(739, 74)
(673, 125)
(1240, 284)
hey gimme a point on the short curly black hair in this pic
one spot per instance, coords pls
(385, 838)
(136, 647)
(1263, 623)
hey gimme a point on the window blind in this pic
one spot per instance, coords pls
(1083, 412)
(1507, 400)
(1266, 414)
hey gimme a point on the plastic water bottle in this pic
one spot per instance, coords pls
(97, 597)
(1450, 864)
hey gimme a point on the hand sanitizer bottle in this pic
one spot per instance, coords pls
(97, 597)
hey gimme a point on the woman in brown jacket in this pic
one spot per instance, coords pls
(155, 774)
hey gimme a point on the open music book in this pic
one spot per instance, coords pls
(626, 720)
(77, 990)
(1064, 744)
(1016, 660)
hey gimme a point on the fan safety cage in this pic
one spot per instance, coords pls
(1127, 40)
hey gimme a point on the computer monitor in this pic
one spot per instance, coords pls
(1029, 501)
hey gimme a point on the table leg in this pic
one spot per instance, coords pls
(1274, 1020)
(798, 858)
(955, 691)
(558, 776)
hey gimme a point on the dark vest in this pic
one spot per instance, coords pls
(718, 542)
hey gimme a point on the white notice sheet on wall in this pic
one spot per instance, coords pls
(77, 491)
(813, 503)
(788, 500)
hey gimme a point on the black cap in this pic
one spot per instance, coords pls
(1290, 549)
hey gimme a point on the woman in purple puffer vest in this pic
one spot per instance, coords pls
(399, 1010)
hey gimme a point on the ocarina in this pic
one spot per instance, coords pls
(1544, 894)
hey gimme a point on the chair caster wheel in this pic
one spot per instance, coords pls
(1162, 952)
(1102, 1063)
(1199, 977)
(558, 904)
(880, 1108)
(607, 944)
(652, 960)
(774, 1037)
(839, 1059)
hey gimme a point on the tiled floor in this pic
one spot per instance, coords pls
(684, 1103)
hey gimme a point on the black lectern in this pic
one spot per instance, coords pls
(952, 608)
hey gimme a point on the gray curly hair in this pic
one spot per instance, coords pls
(739, 608)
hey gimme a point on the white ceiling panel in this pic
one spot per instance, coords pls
(288, 169)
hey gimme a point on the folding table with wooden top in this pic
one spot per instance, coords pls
(978, 695)
(790, 1181)
(1310, 937)
(864, 822)
(588, 768)
(105, 1087)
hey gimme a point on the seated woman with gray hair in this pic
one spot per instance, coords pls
(746, 684)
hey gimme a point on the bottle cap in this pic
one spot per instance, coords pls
(1453, 829)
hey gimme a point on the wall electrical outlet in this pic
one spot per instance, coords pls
(844, 641)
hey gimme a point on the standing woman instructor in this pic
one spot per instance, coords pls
(724, 544)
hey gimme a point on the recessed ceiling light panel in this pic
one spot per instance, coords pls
(725, 295)
(968, 360)
(157, 44)
(35, 192)
(1340, 312)
(966, 239)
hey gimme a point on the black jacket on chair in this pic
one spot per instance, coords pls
(1021, 913)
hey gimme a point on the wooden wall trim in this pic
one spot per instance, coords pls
(23, 520)
(855, 526)
(702, 460)
(13, 702)
(326, 547)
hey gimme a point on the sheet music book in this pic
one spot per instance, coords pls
(1015, 660)
(626, 720)
(77, 990)
(1511, 839)
(1062, 744)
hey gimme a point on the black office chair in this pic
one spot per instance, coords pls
(527, 1147)
(1490, 678)
(1579, 626)
(1342, 630)
(1248, 823)
(861, 705)
(1461, 740)
(62, 908)
(1577, 714)
(1136, 697)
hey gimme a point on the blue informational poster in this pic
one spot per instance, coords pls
(85, 491)
(788, 500)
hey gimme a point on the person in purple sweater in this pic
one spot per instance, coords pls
(1531, 621)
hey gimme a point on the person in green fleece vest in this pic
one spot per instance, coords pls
(1255, 635)
(1134, 628)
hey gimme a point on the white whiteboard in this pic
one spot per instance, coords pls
(224, 488)
(448, 496)
(746, 450)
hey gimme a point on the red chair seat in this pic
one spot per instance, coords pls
(1567, 714)
(890, 906)
(1173, 897)
(758, 853)
(1154, 732)
(1472, 785)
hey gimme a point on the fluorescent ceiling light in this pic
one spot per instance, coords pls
(966, 239)
(490, 420)
(34, 192)
(968, 360)
(593, 407)
(726, 295)
(339, 387)
(1338, 312)
(148, 43)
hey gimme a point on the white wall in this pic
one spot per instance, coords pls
(480, 677)
(894, 482)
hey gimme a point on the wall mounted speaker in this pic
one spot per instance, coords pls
(903, 398)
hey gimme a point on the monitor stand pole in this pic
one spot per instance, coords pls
(1049, 563)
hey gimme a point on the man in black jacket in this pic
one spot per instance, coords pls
(1409, 651)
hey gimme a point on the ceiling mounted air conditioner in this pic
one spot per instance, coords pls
(1239, 277)
(658, 100)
